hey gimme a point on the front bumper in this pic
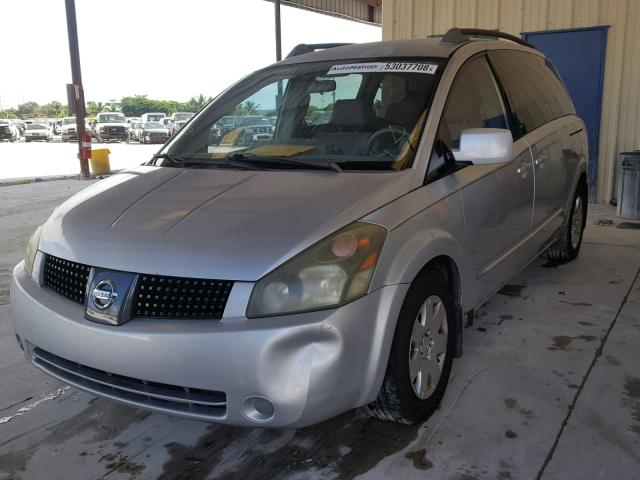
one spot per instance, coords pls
(113, 135)
(157, 138)
(69, 135)
(310, 366)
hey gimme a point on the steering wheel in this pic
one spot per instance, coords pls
(385, 139)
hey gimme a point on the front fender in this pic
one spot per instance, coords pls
(418, 236)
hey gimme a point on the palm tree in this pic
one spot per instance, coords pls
(250, 108)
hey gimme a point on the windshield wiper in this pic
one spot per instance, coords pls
(258, 161)
(196, 163)
(166, 156)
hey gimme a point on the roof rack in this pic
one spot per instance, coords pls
(312, 47)
(456, 36)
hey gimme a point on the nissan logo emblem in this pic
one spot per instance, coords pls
(104, 294)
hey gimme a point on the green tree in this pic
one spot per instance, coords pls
(196, 103)
(94, 108)
(28, 109)
(250, 108)
(53, 109)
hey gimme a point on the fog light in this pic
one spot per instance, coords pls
(258, 409)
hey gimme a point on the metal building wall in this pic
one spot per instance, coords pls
(620, 120)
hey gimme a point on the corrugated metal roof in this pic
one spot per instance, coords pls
(366, 11)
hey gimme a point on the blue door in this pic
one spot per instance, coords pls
(578, 55)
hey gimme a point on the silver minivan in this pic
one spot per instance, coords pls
(280, 281)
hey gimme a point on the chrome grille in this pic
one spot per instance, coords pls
(67, 278)
(160, 296)
(169, 398)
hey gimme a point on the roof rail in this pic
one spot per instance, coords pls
(312, 47)
(455, 36)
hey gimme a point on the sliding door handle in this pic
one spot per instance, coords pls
(540, 160)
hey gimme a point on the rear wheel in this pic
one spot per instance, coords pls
(421, 353)
(567, 247)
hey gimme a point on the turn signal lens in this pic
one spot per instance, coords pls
(32, 250)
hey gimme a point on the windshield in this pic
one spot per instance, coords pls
(153, 125)
(4, 122)
(155, 118)
(180, 117)
(364, 116)
(69, 121)
(36, 126)
(114, 118)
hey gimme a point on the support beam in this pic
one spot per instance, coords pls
(76, 78)
(276, 5)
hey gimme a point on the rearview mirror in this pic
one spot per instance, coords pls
(484, 146)
(322, 86)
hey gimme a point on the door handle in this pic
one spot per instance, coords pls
(540, 160)
(523, 168)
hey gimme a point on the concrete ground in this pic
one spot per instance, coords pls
(41, 159)
(548, 387)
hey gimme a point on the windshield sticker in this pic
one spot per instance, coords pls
(409, 67)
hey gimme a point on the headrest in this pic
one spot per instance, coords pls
(407, 111)
(350, 113)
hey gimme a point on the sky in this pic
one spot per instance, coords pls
(165, 49)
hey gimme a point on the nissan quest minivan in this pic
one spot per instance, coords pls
(280, 280)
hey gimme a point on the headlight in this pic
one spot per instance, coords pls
(330, 273)
(32, 249)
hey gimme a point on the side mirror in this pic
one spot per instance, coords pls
(484, 146)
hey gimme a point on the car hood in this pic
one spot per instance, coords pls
(157, 130)
(224, 224)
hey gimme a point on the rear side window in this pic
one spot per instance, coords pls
(535, 92)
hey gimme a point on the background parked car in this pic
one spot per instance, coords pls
(21, 126)
(110, 126)
(37, 131)
(8, 131)
(154, 132)
(168, 124)
(134, 130)
(68, 129)
(57, 126)
(179, 119)
(152, 117)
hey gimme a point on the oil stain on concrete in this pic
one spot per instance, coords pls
(513, 291)
(419, 459)
(561, 342)
(319, 448)
(100, 421)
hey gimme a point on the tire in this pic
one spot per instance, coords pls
(398, 400)
(567, 247)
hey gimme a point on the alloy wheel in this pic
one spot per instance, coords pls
(576, 222)
(428, 347)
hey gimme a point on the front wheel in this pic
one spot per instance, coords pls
(421, 353)
(567, 247)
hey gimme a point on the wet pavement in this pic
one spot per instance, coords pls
(548, 387)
